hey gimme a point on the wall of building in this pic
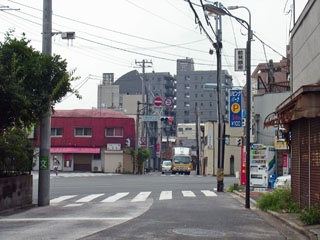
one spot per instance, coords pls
(98, 126)
(263, 106)
(191, 93)
(231, 149)
(108, 97)
(305, 47)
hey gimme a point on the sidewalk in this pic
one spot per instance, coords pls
(291, 219)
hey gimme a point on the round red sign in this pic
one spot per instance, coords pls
(157, 101)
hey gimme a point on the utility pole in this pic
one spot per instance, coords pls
(197, 139)
(218, 47)
(137, 138)
(144, 64)
(45, 125)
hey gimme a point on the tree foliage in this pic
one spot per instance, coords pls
(30, 82)
(16, 152)
(143, 155)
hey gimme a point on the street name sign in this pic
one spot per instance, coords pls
(150, 118)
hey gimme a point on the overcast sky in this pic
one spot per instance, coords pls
(111, 35)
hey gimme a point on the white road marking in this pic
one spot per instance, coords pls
(115, 197)
(165, 195)
(89, 198)
(65, 219)
(188, 194)
(208, 193)
(141, 197)
(74, 205)
(62, 198)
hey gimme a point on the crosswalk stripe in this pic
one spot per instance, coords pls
(142, 196)
(115, 197)
(188, 194)
(74, 205)
(89, 198)
(165, 195)
(208, 193)
(62, 198)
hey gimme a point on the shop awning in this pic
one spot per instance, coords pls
(304, 103)
(74, 150)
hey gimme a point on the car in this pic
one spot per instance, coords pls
(283, 182)
(166, 166)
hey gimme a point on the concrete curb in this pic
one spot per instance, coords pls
(313, 235)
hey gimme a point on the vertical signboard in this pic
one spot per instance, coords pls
(240, 59)
(235, 108)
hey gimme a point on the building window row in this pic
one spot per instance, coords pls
(87, 132)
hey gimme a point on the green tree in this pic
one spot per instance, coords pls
(16, 152)
(143, 155)
(30, 82)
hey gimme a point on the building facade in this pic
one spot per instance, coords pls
(191, 93)
(299, 114)
(91, 140)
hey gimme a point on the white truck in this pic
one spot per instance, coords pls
(181, 160)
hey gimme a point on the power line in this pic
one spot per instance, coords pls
(114, 31)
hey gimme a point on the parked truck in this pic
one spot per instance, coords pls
(181, 160)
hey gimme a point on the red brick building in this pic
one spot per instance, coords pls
(91, 140)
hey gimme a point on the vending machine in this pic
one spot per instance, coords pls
(262, 164)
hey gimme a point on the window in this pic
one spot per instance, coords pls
(114, 132)
(196, 86)
(187, 86)
(188, 129)
(201, 95)
(186, 78)
(187, 95)
(96, 157)
(210, 94)
(180, 129)
(196, 95)
(83, 132)
(56, 132)
(186, 104)
(210, 104)
(186, 113)
(201, 104)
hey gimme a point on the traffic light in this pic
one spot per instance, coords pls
(239, 142)
(166, 119)
(128, 142)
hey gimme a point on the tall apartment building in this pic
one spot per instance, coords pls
(190, 93)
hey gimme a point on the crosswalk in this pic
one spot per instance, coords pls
(76, 201)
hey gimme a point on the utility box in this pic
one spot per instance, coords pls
(68, 35)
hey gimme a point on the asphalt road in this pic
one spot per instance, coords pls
(152, 206)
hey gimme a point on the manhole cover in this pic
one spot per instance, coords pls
(197, 232)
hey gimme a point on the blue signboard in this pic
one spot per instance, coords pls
(235, 108)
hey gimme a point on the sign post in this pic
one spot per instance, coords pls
(235, 108)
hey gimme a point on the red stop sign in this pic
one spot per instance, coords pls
(157, 101)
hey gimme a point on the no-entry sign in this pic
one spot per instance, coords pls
(157, 101)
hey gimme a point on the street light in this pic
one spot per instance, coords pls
(211, 9)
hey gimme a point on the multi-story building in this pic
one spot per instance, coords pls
(191, 93)
(91, 140)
